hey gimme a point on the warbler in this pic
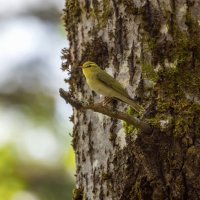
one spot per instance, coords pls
(102, 83)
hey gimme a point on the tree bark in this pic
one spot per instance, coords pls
(153, 48)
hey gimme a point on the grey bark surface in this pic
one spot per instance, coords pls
(152, 47)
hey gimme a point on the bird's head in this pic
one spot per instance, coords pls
(90, 65)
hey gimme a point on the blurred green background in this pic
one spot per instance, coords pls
(36, 158)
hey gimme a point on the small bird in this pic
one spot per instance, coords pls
(102, 83)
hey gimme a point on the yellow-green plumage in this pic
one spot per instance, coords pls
(102, 83)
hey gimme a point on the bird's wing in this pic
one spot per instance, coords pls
(112, 83)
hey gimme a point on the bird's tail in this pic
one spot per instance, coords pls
(134, 105)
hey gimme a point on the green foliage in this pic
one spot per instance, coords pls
(27, 107)
(70, 160)
(47, 183)
(33, 105)
(10, 182)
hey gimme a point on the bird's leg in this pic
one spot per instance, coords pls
(106, 101)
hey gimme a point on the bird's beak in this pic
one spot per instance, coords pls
(80, 67)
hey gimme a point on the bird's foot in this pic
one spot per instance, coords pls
(106, 101)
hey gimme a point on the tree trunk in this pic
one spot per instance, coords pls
(153, 48)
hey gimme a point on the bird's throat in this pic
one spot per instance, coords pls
(88, 73)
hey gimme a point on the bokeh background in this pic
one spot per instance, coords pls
(36, 158)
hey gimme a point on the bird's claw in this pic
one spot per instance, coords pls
(106, 101)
